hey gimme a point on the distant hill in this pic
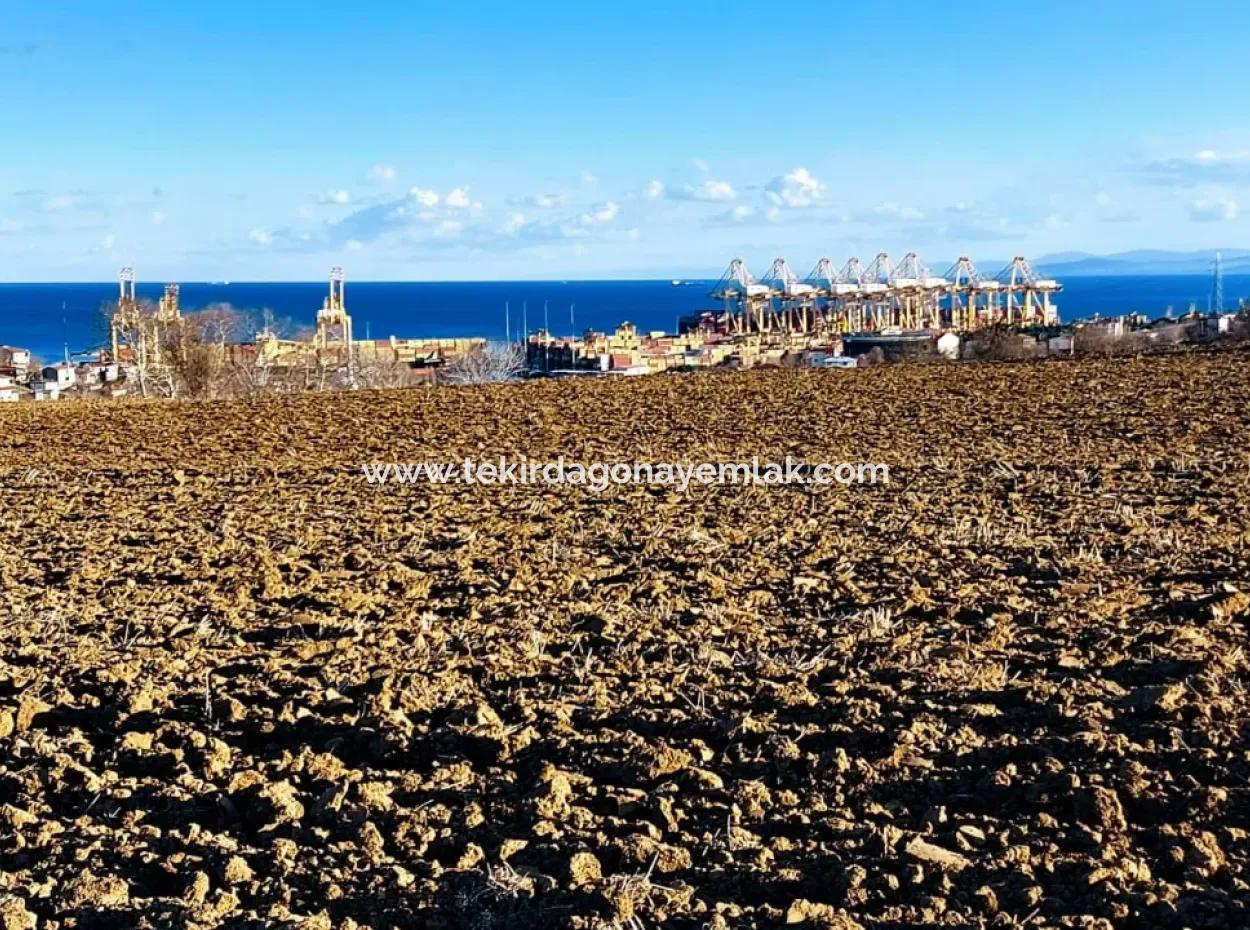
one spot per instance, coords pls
(1142, 262)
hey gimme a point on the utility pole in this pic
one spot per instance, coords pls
(1218, 285)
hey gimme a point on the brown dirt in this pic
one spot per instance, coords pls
(241, 687)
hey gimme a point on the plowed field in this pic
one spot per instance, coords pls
(242, 687)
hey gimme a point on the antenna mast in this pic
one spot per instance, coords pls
(1218, 285)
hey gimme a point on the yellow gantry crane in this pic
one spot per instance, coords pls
(883, 297)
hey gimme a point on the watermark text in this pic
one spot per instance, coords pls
(599, 476)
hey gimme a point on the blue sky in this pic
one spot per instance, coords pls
(558, 140)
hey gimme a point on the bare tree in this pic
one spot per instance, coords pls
(999, 342)
(135, 333)
(380, 372)
(194, 349)
(487, 364)
(248, 371)
(1099, 340)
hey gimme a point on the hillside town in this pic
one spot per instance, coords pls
(23, 378)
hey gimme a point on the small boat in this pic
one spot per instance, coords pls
(675, 283)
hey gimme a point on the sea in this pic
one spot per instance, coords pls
(50, 319)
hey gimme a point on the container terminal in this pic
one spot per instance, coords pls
(901, 308)
(882, 296)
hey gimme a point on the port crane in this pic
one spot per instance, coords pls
(747, 302)
(1027, 294)
(793, 299)
(883, 296)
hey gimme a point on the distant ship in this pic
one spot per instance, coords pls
(675, 283)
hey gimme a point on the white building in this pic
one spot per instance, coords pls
(1059, 345)
(45, 390)
(11, 357)
(1113, 327)
(62, 374)
(9, 391)
(99, 372)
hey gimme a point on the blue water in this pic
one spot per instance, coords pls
(31, 315)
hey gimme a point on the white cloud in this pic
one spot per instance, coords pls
(1206, 166)
(158, 217)
(709, 190)
(58, 204)
(602, 213)
(593, 224)
(797, 188)
(260, 236)
(449, 229)
(354, 245)
(1213, 210)
(548, 201)
(458, 199)
(589, 179)
(653, 191)
(427, 198)
(738, 213)
(700, 165)
(108, 242)
(420, 208)
(383, 173)
(336, 196)
(893, 211)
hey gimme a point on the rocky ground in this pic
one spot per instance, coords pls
(239, 686)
